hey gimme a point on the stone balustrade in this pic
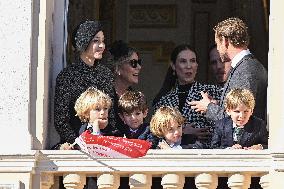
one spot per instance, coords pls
(172, 166)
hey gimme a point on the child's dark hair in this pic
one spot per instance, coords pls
(131, 101)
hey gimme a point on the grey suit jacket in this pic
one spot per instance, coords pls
(249, 73)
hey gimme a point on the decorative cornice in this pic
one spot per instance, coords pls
(161, 49)
(20, 162)
(152, 16)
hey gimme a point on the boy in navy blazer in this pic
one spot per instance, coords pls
(132, 109)
(241, 130)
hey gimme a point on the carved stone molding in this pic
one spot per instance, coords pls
(161, 49)
(152, 16)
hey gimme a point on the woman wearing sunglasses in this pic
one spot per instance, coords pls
(127, 70)
(179, 87)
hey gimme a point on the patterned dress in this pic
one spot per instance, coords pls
(172, 99)
(71, 82)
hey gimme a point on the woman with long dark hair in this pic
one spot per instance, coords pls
(179, 87)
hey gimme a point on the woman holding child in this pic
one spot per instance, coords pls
(179, 87)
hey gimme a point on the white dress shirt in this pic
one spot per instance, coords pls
(239, 56)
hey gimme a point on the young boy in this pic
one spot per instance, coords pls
(132, 109)
(241, 130)
(92, 108)
(167, 124)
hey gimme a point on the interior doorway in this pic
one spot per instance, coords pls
(155, 27)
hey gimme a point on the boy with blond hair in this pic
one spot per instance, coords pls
(92, 108)
(240, 130)
(166, 124)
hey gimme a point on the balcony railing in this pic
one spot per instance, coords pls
(173, 166)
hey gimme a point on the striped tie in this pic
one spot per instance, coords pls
(238, 132)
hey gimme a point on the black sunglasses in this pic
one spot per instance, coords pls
(133, 63)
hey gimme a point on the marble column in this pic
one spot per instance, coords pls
(276, 93)
(140, 181)
(239, 181)
(74, 181)
(173, 181)
(206, 181)
(108, 181)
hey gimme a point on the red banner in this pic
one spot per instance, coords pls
(111, 146)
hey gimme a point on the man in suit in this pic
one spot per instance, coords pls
(232, 40)
(241, 130)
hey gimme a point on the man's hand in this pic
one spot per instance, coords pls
(201, 105)
(200, 133)
(254, 147)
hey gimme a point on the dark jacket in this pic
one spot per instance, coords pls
(71, 82)
(141, 133)
(249, 73)
(255, 132)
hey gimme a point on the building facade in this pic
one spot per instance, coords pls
(33, 40)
